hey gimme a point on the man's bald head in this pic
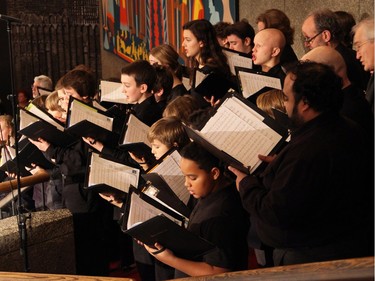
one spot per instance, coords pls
(328, 56)
(272, 36)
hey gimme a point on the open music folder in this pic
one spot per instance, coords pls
(86, 121)
(212, 84)
(160, 229)
(109, 177)
(134, 137)
(28, 154)
(112, 92)
(168, 168)
(238, 132)
(44, 126)
(238, 59)
(252, 83)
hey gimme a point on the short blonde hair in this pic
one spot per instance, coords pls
(52, 102)
(169, 131)
(271, 99)
(8, 120)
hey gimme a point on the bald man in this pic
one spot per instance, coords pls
(355, 106)
(268, 46)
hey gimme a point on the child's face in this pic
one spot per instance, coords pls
(197, 181)
(133, 93)
(158, 149)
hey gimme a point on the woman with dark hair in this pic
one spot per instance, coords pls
(274, 18)
(204, 53)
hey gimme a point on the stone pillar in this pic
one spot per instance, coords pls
(50, 240)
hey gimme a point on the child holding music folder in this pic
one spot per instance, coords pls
(217, 217)
(90, 215)
(164, 134)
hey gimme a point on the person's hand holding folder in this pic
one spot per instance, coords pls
(41, 144)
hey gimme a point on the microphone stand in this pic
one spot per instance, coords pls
(21, 217)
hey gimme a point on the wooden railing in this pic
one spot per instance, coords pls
(21, 276)
(359, 269)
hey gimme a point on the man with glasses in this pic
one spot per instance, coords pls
(321, 28)
(363, 44)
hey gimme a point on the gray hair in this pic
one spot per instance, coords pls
(368, 26)
(44, 82)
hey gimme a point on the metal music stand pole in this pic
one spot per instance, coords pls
(21, 217)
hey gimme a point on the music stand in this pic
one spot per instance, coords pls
(21, 216)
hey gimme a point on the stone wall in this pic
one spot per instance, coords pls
(50, 243)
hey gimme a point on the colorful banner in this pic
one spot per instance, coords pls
(132, 27)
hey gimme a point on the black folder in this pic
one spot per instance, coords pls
(281, 117)
(29, 154)
(224, 156)
(86, 128)
(180, 241)
(253, 96)
(103, 187)
(214, 84)
(43, 129)
(165, 193)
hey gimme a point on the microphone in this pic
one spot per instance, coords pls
(9, 18)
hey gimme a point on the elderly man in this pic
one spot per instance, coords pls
(354, 106)
(363, 43)
(41, 81)
(321, 28)
(312, 203)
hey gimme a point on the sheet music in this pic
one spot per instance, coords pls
(103, 171)
(80, 111)
(240, 61)
(136, 131)
(239, 131)
(170, 171)
(42, 115)
(112, 92)
(252, 83)
(141, 211)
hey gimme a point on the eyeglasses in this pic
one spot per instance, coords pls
(309, 40)
(357, 46)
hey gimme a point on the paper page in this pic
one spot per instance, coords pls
(42, 115)
(170, 171)
(44, 92)
(80, 111)
(26, 119)
(252, 83)
(240, 61)
(103, 171)
(112, 92)
(186, 83)
(199, 77)
(141, 211)
(98, 106)
(136, 131)
(239, 131)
